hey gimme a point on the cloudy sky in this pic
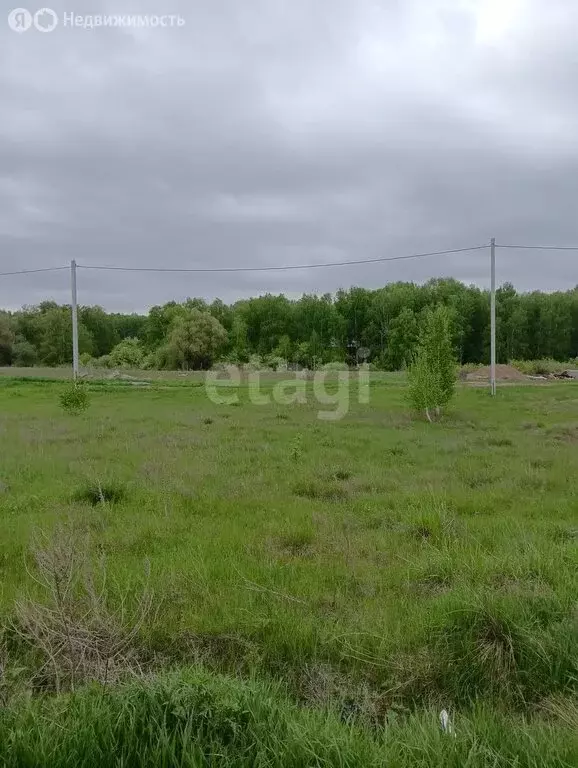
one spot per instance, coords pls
(269, 132)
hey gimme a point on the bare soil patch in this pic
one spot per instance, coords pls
(503, 373)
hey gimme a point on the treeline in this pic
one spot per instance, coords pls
(380, 326)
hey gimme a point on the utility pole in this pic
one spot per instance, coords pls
(493, 317)
(74, 321)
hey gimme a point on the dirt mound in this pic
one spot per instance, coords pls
(503, 373)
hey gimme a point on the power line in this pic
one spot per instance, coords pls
(285, 267)
(33, 271)
(288, 267)
(540, 247)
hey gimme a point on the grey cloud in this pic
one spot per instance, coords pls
(288, 132)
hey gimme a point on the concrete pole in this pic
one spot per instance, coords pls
(493, 317)
(74, 321)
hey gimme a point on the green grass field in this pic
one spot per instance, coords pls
(320, 590)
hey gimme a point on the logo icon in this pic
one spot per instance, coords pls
(45, 20)
(20, 20)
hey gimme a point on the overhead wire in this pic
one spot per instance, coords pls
(290, 267)
(33, 271)
(284, 267)
(540, 247)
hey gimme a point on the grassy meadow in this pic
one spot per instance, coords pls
(280, 590)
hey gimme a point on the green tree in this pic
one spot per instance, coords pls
(574, 314)
(25, 354)
(334, 328)
(267, 318)
(316, 320)
(315, 350)
(238, 339)
(557, 316)
(101, 327)
(55, 346)
(6, 340)
(195, 340)
(386, 305)
(303, 354)
(159, 321)
(355, 306)
(284, 348)
(222, 313)
(432, 376)
(402, 340)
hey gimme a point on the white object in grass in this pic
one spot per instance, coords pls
(446, 723)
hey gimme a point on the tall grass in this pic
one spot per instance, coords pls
(194, 719)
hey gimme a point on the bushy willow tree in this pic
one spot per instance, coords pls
(195, 340)
(432, 375)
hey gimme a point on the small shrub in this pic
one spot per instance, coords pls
(312, 489)
(276, 363)
(296, 543)
(436, 526)
(207, 420)
(103, 362)
(149, 362)
(75, 399)
(500, 442)
(97, 493)
(255, 363)
(542, 367)
(297, 447)
(73, 630)
(507, 649)
(127, 354)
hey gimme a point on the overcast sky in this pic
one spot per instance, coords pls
(268, 132)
